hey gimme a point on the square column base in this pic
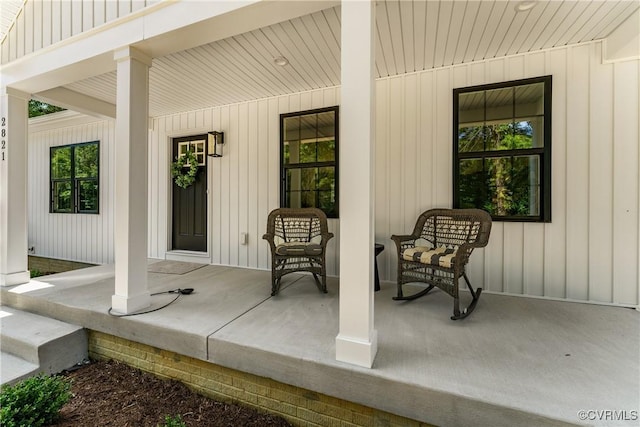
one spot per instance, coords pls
(356, 351)
(15, 278)
(121, 304)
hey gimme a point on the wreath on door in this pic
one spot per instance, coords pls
(184, 169)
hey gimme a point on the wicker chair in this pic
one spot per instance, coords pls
(438, 250)
(298, 241)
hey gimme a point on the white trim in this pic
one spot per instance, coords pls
(623, 43)
(356, 351)
(569, 300)
(605, 54)
(189, 256)
(127, 304)
(608, 304)
(17, 93)
(61, 119)
(129, 52)
(12, 279)
(176, 254)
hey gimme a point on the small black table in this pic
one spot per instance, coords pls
(378, 248)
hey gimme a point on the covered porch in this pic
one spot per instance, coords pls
(174, 69)
(516, 361)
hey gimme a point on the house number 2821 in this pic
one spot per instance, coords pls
(3, 132)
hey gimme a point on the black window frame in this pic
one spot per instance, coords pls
(318, 164)
(543, 153)
(74, 181)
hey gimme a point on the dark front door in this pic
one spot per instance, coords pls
(190, 204)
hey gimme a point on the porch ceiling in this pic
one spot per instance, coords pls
(8, 11)
(410, 36)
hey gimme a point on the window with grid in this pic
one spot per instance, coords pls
(74, 172)
(309, 160)
(502, 149)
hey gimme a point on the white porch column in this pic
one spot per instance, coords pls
(131, 289)
(357, 340)
(13, 187)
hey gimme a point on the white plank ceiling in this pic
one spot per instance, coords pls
(8, 11)
(411, 35)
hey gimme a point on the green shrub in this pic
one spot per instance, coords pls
(173, 421)
(35, 273)
(33, 402)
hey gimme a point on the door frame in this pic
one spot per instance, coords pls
(183, 255)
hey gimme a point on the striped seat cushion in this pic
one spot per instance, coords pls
(298, 248)
(442, 256)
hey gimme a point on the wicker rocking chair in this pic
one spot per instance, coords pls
(298, 241)
(438, 250)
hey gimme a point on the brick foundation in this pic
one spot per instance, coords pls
(299, 406)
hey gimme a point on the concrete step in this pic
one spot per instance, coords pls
(49, 344)
(14, 369)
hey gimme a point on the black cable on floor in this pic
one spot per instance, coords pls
(180, 292)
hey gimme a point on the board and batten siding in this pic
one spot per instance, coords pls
(41, 23)
(589, 252)
(75, 237)
(243, 184)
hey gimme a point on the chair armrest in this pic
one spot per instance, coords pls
(463, 253)
(270, 238)
(325, 239)
(403, 240)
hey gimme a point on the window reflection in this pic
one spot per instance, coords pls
(309, 159)
(501, 149)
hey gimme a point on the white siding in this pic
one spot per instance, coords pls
(43, 22)
(75, 237)
(589, 252)
(243, 185)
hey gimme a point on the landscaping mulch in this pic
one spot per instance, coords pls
(110, 393)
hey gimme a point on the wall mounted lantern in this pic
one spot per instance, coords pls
(215, 143)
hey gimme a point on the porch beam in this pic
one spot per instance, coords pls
(356, 342)
(131, 178)
(13, 187)
(76, 101)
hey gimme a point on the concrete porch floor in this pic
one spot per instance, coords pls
(514, 361)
